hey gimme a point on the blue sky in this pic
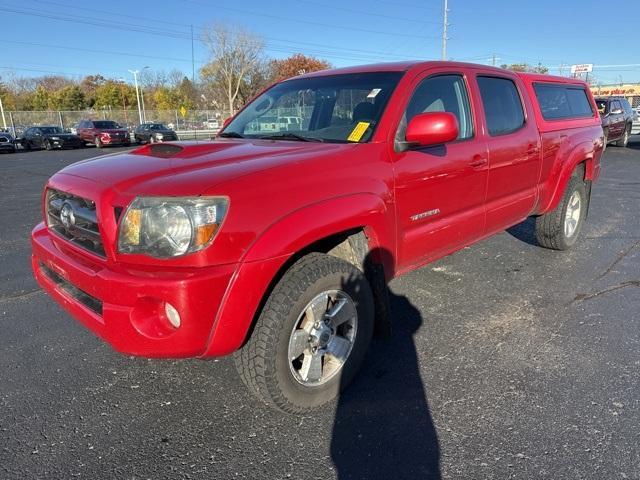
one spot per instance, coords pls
(77, 38)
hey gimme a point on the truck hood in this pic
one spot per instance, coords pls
(191, 168)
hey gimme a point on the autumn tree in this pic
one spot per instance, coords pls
(234, 56)
(89, 85)
(7, 96)
(296, 64)
(525, 67)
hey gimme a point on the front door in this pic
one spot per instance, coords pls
(440, 190)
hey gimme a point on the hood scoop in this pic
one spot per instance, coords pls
(161, 150)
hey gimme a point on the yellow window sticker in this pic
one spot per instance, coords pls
(358, 131)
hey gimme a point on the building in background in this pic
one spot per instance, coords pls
(631, 91)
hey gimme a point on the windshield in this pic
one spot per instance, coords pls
(50, 130)
(157, 126)
(336, 108)
(105, 124)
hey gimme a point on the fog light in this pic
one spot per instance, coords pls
(172, 315)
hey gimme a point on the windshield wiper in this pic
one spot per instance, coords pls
(231, 135)
(290, 136)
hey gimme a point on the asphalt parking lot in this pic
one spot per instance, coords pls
(507, 361)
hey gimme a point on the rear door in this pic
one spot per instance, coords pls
(440, 190)
(513, 141)
(616, 119)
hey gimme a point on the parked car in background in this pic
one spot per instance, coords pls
(49, 137)
(7, 142)
(103, 132)
(212, 124)
(289, 123)
(635, 127)
(154, 132)
(617, 119)
(74, 128)
(279, 245)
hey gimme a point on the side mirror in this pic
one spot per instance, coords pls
(433, 128)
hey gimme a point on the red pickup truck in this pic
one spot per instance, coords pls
(277, 245)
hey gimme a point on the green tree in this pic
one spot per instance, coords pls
(115, 95)
(70, 97)
(188, 94)
(40, 99)
(166, 98)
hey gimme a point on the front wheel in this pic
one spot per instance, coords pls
(311, 337)
(560, 228)
(47, 145)
(97, 142)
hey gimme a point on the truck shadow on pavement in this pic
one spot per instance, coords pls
(525, 231)
(383, 427)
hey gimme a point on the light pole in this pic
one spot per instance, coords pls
(135, 81)
(4, 121)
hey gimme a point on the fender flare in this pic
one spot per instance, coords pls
(276, 246)
(581, 153)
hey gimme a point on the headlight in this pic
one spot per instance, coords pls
(55, 138)
(165, 227)
(159, 136)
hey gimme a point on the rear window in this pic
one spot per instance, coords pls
(559, 102)
(502, 105)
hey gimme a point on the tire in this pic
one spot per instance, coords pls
(97, 142)
(264, 362)
(47, 145)
(151, 139)
(26, 145)
(558, 229)
(624, 140)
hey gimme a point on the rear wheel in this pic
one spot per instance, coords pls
(624, 140)
(560, 228)
(26, 145)
(311, 337)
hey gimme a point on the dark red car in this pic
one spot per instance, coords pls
(617, 119)
(103, 132)
(277, 244)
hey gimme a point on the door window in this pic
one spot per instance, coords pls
(502, 105)
(442, 93)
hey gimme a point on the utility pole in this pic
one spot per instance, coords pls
(494, 60)
(193, 62)
(445, 24)
(135, 80)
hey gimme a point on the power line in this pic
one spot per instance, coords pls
(309, 22)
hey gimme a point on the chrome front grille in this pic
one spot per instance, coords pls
(75, 219)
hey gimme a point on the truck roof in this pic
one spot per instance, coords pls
(404, 66)
(396, 67)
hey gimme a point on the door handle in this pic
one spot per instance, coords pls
(478, 161)
(532, 149)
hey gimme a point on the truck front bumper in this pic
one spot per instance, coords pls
(126, 306)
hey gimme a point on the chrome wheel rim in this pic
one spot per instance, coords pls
(572, 216)
(322, 338)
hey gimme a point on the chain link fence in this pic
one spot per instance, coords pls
(194, 124)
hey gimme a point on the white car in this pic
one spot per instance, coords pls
(212, 124)
(635, 126)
